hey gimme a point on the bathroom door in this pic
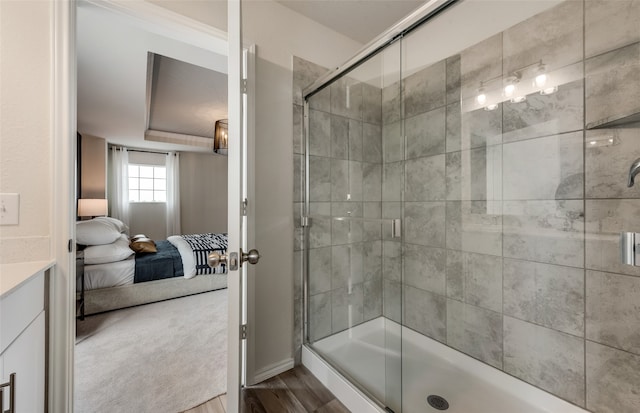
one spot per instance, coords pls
(240, 203)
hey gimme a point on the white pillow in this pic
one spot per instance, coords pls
(102, 254)
(119, 225)
(96, 232)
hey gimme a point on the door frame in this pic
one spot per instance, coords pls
(60, 380)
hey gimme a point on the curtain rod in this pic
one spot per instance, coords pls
(119, 148)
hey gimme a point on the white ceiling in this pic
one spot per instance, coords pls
(112, 54)
(361, 20)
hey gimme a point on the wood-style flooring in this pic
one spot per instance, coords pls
(293, 391)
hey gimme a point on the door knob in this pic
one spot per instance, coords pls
(215, 258)
(253, 256)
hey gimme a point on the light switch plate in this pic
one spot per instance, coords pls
(9, 209)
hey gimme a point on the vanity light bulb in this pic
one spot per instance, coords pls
(481, 99)
(541, 80)
(593, 142)
(610, 140)
(492, 106)
(509, 89)
(518, 99)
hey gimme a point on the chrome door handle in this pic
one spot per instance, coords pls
(630, 248)
(215, 258)
(253, 256)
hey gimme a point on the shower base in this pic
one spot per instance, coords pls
(427, 368)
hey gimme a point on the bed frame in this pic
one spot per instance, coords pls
(107, 299)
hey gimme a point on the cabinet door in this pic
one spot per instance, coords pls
(25, 357)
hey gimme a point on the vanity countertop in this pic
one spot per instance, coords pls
(14, 275)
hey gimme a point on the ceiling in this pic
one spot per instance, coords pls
(360, 20)
(113, 74)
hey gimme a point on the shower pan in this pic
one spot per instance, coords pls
(464, 192)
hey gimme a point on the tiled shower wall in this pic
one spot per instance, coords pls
(511, 216)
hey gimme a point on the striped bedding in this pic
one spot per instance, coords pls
(194, 250)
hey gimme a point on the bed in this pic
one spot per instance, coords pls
(114, 276)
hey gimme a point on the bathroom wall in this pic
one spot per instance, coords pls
(511, 216)
(345, 161)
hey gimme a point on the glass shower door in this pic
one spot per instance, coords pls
(353, 232)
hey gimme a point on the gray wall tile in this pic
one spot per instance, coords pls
(543, 115)
(346, 180)
(392, 182)
(544, 168)
(392, 142)
(612, 380)
(425, 179)
(545, 231)
(474, 226)
(346, 231)
(424, 268)
(347, 307)
(610, 25)
(607, 166)
(392, 260)
(475, 331)
(298, 129)
(339, 137)
(611, 87)
(371, 182)
(425, 133)
(546, 358)
(371, 104)
(425, 312)
(346, 265)
(559, 44)
(319, 179)
(425, 90)
(475, 174)
(319, 133)
(480, 63)
(475, 279)
(424, 223)
(605, 219)
(346, 98)
(612, 310)
(319, 270)
(371, 143)
(480, 128)
(304, 74)
(453, 78)
(372, 306)
(548, 295)
(391, 103)
(372, 229)
(392, 300)
(372, 260)
(320, 229)
(355, 140)
(319, 316)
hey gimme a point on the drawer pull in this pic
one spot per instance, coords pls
(11, 384)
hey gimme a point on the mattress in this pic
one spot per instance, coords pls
(109, 275)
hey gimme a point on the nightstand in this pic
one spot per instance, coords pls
(80, 282)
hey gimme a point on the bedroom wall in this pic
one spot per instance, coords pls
(93, 167)
(25, 127)
(203, 193)
(279, 33)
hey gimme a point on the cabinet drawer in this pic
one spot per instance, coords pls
(19, 308)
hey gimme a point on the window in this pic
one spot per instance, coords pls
(147, 183)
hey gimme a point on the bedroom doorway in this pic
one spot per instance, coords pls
(237, 354)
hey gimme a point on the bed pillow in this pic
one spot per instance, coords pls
(119, 225)
(96, 232)
(114, 252)
(142, 245)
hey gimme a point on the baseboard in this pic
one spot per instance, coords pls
(273, 370)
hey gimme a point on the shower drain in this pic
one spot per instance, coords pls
(438, 402)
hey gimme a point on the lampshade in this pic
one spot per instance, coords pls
(221, 138)
(92, 207)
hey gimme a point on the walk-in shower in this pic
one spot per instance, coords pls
(464, 183)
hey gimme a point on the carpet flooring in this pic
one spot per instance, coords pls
(163, 357)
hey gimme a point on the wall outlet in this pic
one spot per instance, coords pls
(9, 209)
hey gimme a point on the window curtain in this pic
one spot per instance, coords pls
(173, 194)
(119, 194)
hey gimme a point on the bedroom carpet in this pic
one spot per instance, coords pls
(161, 357)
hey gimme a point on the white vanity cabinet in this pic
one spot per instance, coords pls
(22, 343)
